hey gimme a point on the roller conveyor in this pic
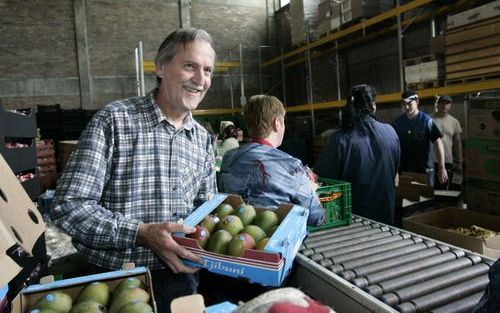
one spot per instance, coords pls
(371, 267)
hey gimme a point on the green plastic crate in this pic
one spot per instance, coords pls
(335, 195)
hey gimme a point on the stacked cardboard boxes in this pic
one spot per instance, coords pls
(475, 15)
(303, 20)
(328, 17)
(482, 157)
(66, 147)
(355, 10)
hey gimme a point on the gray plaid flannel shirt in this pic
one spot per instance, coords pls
(131, 166)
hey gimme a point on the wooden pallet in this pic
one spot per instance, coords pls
(471, 79)
(421, 59)
(473, 55)
(473, 45)
(470, 32)
(485, 69)
(473, 52)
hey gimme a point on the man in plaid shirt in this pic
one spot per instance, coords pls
(140, 165)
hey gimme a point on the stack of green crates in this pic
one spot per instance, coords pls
(336, 198)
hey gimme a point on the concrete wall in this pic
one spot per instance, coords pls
(40, 64)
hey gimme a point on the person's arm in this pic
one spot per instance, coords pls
(305, 196)
(435, 136)
(457, 145)
(397, 158)
(77, 209)
(442, 174)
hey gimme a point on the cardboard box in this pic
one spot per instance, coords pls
(483, 12)
(303, 20)
(483, 196)
(66, 147)
(327, 24)
(268, 267)
(3, 298)
(423, 72)
(196, 304)
(483, 159)
(435, 224)
(484, 123)
(72, 286)
(352, 10)
(21, 231)
(412, 188)
(21, 228)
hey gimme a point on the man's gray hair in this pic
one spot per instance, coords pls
(183, 36)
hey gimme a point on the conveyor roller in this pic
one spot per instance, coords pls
(443, 296)
(372, 267)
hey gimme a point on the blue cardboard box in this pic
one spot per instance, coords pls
(268, 267)
(3, 297)
(72, 286)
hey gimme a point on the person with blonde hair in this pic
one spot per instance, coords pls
(263, 175)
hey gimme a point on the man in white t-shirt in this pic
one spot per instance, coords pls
(451, 130)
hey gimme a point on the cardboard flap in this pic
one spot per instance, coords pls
(188, 304)
(493, 243)
(20, 222)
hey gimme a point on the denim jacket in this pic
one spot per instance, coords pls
(266, 177)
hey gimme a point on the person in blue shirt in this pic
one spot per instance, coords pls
(417, 132)
(263, 175)
(364, 152)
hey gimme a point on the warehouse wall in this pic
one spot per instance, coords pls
(38, 51)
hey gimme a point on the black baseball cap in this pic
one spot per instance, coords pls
(444, 98)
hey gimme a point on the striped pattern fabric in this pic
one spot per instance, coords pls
(131, 166)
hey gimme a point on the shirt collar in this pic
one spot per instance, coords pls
(156, 116)
(262, 141)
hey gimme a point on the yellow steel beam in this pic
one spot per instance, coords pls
(227, 64)
(216, 111)
(222, 66)
(423, 94)
(384, 98)
(339, 34)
